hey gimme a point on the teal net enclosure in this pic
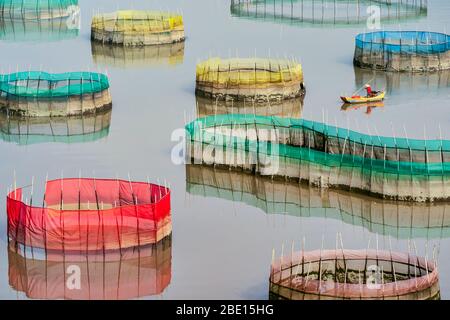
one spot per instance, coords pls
(398, 219)
(323, 155)
(41, 94)
(414, 51)
(38, 9)
(338, 13)
(68, 130)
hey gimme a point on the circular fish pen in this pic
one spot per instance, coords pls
(249, 79)
(353, 275)
(114, 275)
(41, 94)
(324, 155)
(339, 13)
(171, 54)
(75, 129)
(403, 51)
(38, 9)
(137, 28)
(84, 214)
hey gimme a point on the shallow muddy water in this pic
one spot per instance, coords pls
(222, 245)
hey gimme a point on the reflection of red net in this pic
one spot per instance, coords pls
(125, 274)
(347, 274)
(91, 214)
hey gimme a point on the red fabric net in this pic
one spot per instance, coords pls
(91, 214)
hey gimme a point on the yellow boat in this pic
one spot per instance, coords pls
(379, 96)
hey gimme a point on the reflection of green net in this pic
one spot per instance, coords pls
(35, 84)
(36, 9)
(327, 12)
(397, 219)
(36, 30)
(75, 129)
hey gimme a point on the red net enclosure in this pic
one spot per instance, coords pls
(85, 214)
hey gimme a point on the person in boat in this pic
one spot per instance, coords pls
(370, 92)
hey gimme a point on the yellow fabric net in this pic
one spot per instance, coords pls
(247, 71)
(133, 21)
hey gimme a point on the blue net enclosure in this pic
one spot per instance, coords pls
(328, 12)
(414, 51)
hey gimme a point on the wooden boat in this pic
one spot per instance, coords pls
(379, 96)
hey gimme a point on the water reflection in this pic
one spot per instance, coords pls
(75, 129)
(135, 57)
(367, 107)
(126, 274)
(290, 108)
(328, 12)
(40, 24)
(395, 218)
(394, 82)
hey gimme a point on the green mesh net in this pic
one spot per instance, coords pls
(400, 168)
(38, 84)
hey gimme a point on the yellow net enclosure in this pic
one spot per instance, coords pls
(137, 28)
(249, 79)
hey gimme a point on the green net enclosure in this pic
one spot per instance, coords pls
(252, 79)
(413, 51)
(290, 108)
(398, 219)
(328, 12)
(41, 94)
(137, 28)
(114, 275)
(323, 155)
(35, 130)
(344, 274)
(171, 54)
(38, 9)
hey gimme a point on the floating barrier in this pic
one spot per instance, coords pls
(291, 108)
(117, 275)
(90, 215)
(249, 79)
(76, 129)
(343, 274)
(137, 28)
(38, 9)
(413, 51)
(339, 13)
(325, 156)
(127, 57)
(41, 94)
(398, 219)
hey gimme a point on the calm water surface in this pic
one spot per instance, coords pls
(223, 248)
